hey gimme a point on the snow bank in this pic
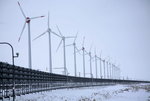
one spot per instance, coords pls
(140, 92)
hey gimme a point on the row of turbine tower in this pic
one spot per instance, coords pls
(110, 70)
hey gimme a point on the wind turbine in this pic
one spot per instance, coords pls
(107, 69)
(110, 70)
(113, 71)
(75, 48)
(63, 39)
(27, 20)
(89, 53)
(48, 31)
(83, 54)
(107, 64)
(100, 64)
(117, 72)
(95, 63)
(104, 67)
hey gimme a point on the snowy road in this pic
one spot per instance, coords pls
(139, 92)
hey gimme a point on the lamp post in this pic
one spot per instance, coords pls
(13, 56)
(12, 50)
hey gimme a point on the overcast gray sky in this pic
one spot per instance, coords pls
(118, 28)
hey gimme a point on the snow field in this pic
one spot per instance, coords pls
(136, 92)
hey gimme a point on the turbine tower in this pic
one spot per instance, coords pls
(107, 64)
(89, 53)
(107, 69)
(48, 31)
(83, 54)
(100, 64)
(27, 20)
(75, 48)
(104, 68)
(110, 70)
(95, 63)
(113, 77)
(63, 39)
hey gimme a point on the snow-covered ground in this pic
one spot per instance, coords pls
(136, 92)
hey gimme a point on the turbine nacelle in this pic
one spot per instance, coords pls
(83, 48)
(63, 38)
(49, 30)
(90, 53)
(74, 43)
(28, 20)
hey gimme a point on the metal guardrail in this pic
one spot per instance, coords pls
(31, 81)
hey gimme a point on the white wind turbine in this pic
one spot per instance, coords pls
(83, 54)
(110, 73)
(75, 48)
(119, 71)
(63, 39)
(107, 69)
(95, 63)
(110, 70)
(48, 31)
(113, 77)
(104, 68)
(100, 64)
(89, 53)
(107, 62)
(27, 20)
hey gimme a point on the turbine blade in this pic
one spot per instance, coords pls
(21, 9)
(59, 30)
(92, 58)
(86, 53)
(69, 45)
(83, 41)
(56, 34)
(100, 53)
(39, 35)
(95, 51)
(37, 17)
(22, 31)
(75, 37)
(48, 20)
(70, 37)
(90, 47)
(78, 50)
(97, 57)
(59, 45)
(59, 68)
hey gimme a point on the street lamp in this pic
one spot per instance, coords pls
(13, 56)
(12, 50)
